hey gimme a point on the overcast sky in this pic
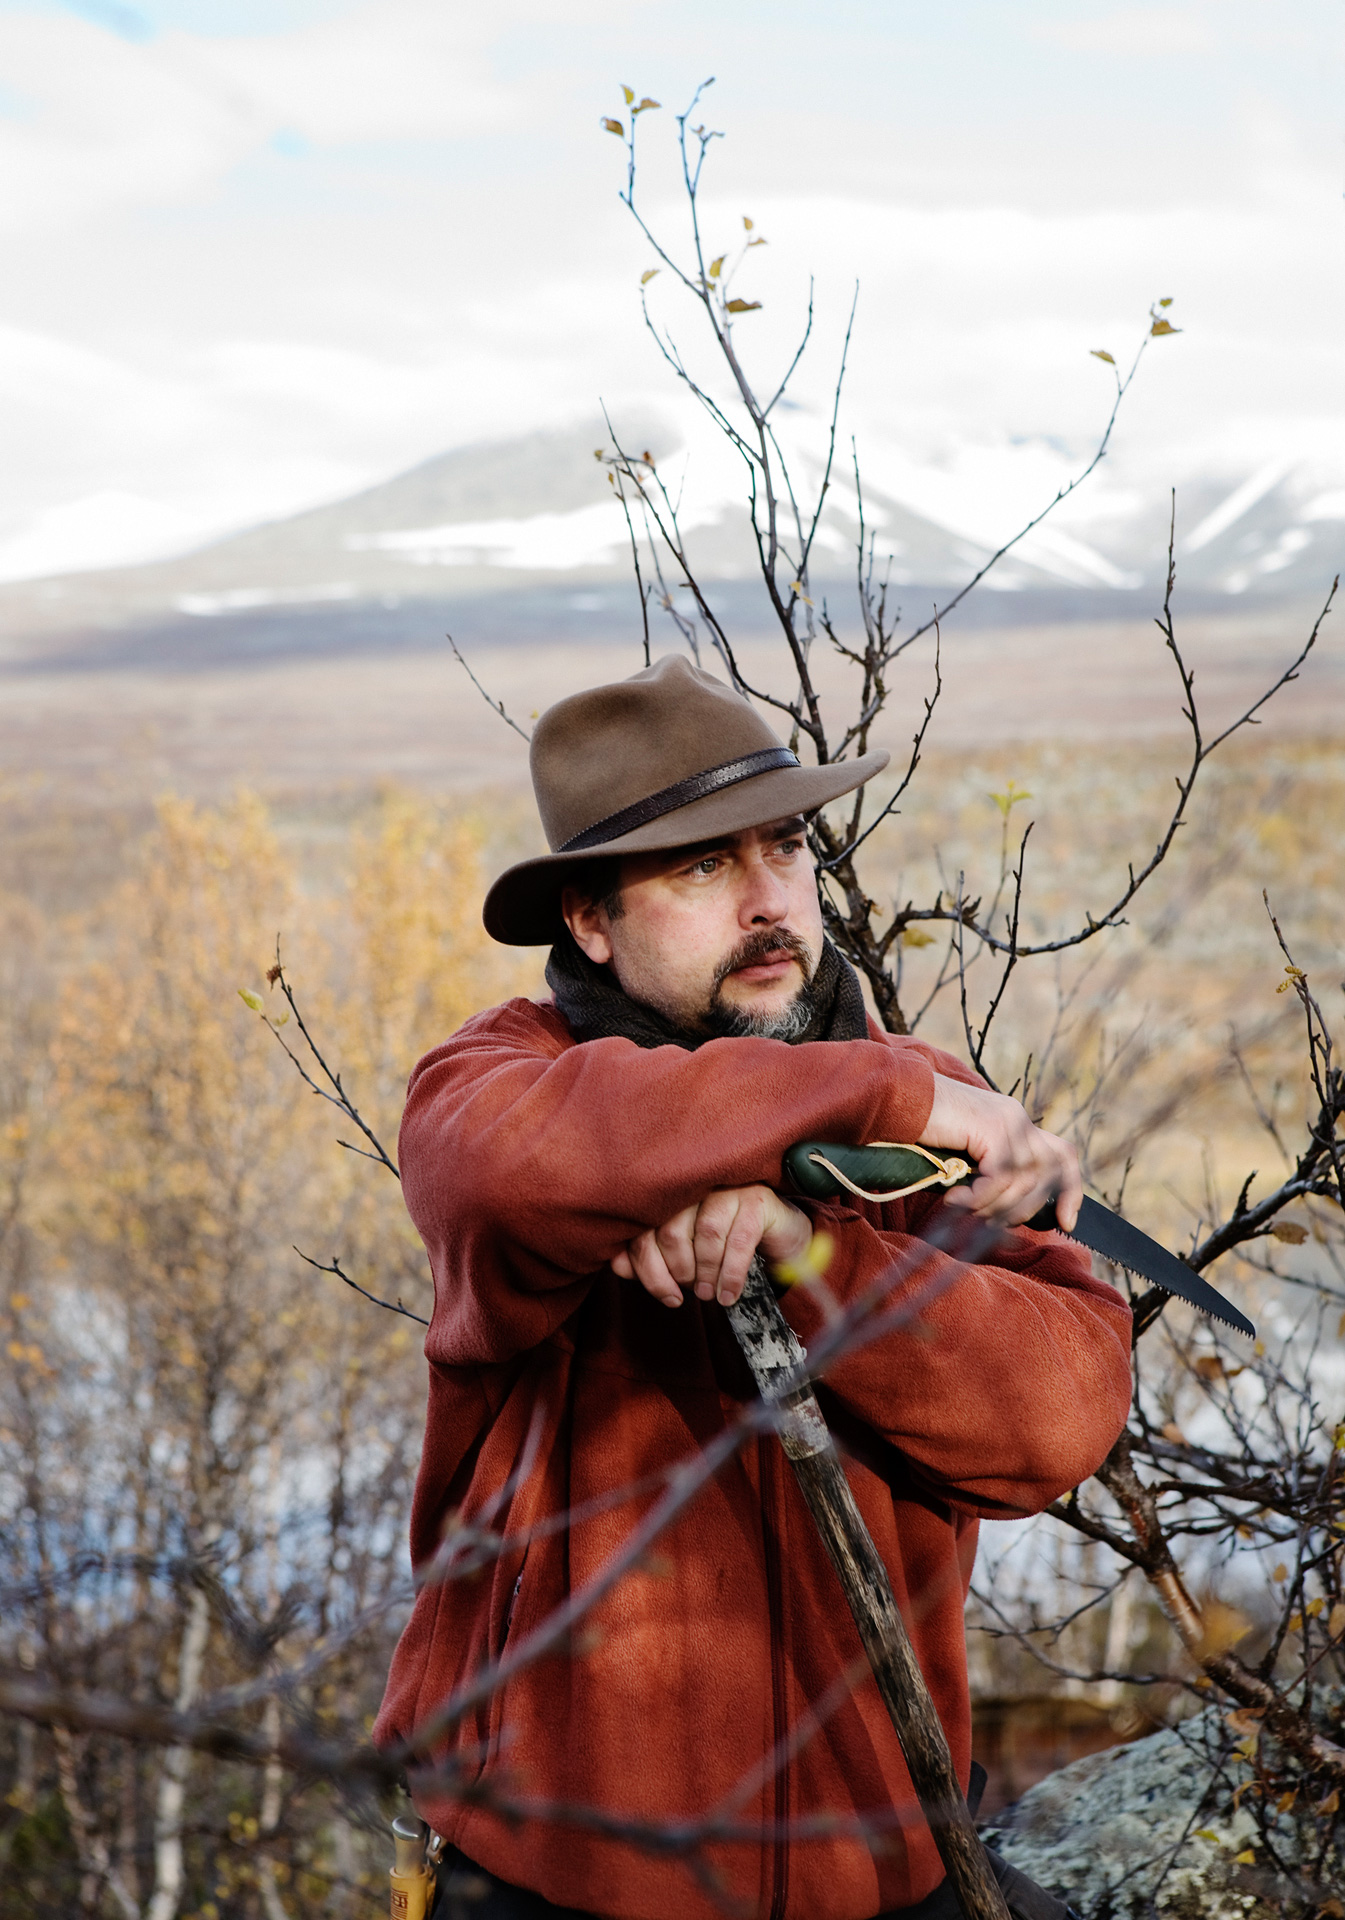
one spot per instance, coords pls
(260, 253)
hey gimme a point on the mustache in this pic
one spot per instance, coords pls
(766, 944)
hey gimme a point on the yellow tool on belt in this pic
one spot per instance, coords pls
(417, 1852)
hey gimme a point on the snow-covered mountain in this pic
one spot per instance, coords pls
(510, 535)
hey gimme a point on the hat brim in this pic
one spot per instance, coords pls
(522, 909)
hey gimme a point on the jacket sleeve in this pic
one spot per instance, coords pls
(528, 1161)
(1009, 1380)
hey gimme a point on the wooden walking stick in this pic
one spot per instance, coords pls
(779, 1368)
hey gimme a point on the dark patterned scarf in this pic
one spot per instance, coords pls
(597, 1008)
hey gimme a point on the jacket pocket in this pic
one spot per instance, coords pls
(513, 1593)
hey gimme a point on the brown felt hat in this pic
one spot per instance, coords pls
(667, 758)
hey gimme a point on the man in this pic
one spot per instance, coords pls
(581, 1166)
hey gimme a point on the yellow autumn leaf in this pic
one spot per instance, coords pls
(1286, 1800)
(1164, 326)
(1222, 1627)
(760, 241)
(615, 126)
(1340, 1328)
(647, 275)
(796, 586)
(18, 1301)
(742, 306)
(1314, 1607)
(916, 937)
(1289, 1231)
(1167, 302)
(1172, 1432)
(629, 93)
(1205, 1833)
(647, 105)
(252, 1000)
(1281, 1573)
(1331, 1804)
(716, 266)
(1335, 1620)
(748, 224)
(1244, 1859)
(1295, 1622)
(1101, 353)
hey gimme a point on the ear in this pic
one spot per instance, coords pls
(588, 922)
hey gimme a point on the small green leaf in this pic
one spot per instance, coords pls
(252, 1000)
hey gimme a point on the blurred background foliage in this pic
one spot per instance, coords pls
(207, 1448)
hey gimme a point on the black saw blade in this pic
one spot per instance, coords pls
(1115, 1239)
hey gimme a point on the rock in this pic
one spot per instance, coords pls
(1139, 1829)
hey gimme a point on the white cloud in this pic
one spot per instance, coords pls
(111, 122)
(1145, 32)
(400, 69)
(100, 530)
(108, 123)
(208, 336)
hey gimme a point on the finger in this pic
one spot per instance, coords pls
(651, 1270)
(621, 1266)
(1070, 1197)
(714, 1219)
(675, 1241)
(1003, 1200)
(742, 1241)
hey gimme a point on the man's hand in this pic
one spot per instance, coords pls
(1020, 1166)
(709, 1246)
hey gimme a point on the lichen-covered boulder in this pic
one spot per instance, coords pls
(1157, 1828)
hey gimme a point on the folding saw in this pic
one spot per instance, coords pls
(821, 1170)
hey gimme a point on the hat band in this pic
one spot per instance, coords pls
(680, 794)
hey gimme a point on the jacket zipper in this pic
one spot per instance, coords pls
(770, 1460)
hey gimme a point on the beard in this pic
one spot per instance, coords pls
(721, 1018)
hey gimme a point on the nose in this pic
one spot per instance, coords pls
(764, 900)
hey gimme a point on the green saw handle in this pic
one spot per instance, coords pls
(815, 1167)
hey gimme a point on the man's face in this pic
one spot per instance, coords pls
(721, 937)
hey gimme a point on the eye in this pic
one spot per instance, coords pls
(709, 865)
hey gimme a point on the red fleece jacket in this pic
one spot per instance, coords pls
(527, 1162)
